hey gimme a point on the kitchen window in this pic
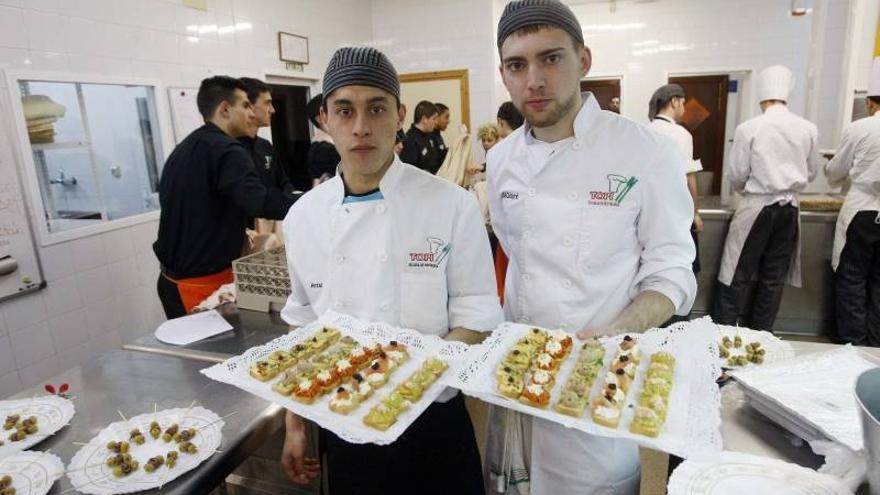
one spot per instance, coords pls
(91, 151)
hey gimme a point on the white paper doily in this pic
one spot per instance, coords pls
(775, 349)
(350, 427)
(694, 419)
(818, 389)
(88, 472)
(733, 473)
(33, 473)
(52, 413)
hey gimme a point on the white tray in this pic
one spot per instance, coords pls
(350, 427)
(89, 474)
(775, 348)
(815, 390)
(733, 473)
(33, 473)
(693, 422)
(52, 413)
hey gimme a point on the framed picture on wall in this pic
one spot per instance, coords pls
(293, 48)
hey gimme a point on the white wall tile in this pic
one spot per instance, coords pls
(124, 275)
(45, 31)
(31, 344)
(39, 373)
(10, 384)
(107, 342)
(77, 8)
(118, 244)
(88, 252)
(61, 296)
(94, 284)
(7, 362)
(24, 311)
(12, 29)
(43, 5)
(69, 330)
(74, 356)
(103, 317)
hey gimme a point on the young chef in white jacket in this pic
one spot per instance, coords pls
(386, 241)
(773, 159)
(665, 111)
(594, 214)
(857, 234)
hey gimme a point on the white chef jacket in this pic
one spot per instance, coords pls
(604, 218)
(682, 139)
(858, 159)
(774, 154)
(773, 158)
(419, 258)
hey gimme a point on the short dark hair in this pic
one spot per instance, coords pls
(508, 113)
(314, 108)
(424, 109)
(254, 88)
(441, 108)
(215, 90)
(874, 99)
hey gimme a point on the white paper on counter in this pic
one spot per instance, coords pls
(817, 390)
(693, 424)
(33, 473)
(350, 427)
(192, 328)
(733, 473)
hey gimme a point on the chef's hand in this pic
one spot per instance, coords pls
(649, 309)
(598, 331)
(299, 469)
(698, 223)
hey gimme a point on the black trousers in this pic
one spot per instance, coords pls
(857, 282)
(766, 255)
(436, 455)
(169, 295)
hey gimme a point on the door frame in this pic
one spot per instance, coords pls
(621, 79)
(746, 108)
(443, 75)
(304, 80)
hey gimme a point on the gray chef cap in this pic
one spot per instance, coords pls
(362, 66)
(662, 96)
(521, 13)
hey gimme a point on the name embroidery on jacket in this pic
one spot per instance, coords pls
(509, 195)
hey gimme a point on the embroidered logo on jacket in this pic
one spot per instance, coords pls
(437, 251)
(619, 187)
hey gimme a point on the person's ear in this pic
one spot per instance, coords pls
(586, 60)
(401, 115)
(322, 118)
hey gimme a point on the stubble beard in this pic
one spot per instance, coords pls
(560, 110)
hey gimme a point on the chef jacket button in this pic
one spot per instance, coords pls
(385, 306)
(383, 257)
(563, 326)
(566, 284)
(526, 277)
(526, 234)
(339, 305)
(573, 196)
(380, 208)
(339, 259)
(532, 191)
(567, 241)
(576, 145)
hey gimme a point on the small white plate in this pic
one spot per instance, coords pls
(733, 473)
(52, 413)
(88, 472)
(774, 348)
(33, 473)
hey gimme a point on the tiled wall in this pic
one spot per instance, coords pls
(102, 288)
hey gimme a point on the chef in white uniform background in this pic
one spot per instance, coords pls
(773, 159)
(593, 211)
(385, 241)
(856, 255)
(665, 110)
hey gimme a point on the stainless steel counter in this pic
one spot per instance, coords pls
(250, 328)
(132, 382)
(807, 310)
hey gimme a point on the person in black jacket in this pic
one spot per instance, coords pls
(323, 157)
(440, 125)
(207, 192)
(419, 149)
(268, 164)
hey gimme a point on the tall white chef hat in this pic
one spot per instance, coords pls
(775, 83)
(874, 82)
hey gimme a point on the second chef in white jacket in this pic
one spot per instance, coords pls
(385, 241)
(774, 157)
(594, 213)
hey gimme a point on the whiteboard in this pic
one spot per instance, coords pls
(19, 266)
(185, 116)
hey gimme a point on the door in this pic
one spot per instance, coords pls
(449, 87)
(705, 117)
(290, 132)
(606, 91)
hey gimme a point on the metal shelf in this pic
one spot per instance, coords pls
(60, 145)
